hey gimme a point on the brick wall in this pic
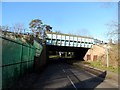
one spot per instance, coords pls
(94, 53)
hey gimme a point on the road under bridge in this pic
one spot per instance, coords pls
(79, 52)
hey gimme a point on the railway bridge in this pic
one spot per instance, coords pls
(79, 45)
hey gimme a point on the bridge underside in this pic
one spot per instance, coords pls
(79, 52)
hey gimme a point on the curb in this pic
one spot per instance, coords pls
(98, 72)
(95, 71)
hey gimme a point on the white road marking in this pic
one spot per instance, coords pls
(72, 82)
(63, 70)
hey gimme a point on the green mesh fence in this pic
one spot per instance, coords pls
(17, 59)
(39, 48)
(11, 52)
(25, 53)
(10, 75)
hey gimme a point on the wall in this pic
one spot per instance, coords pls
(94, 53)
(17, 59)
(41, 60)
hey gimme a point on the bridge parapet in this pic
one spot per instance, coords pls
(69, 40)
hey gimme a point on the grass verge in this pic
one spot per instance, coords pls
(98, 64)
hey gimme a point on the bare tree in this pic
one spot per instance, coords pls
(82, 32)
(4, 29)
(18, 28)
(113, 32)
(58, 31)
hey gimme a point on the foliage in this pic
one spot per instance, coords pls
(54, 56)
(29, 39)
(39, 29)
(25, 38)
(47, 28)
(112, 57)
(18, 31)
(99, 64)
(36, 28)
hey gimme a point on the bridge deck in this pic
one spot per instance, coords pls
(69, 40)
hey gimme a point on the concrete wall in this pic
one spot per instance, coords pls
(41, 61)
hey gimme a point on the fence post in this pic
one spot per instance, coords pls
(29, 59)
(1, 63)
(21, 60)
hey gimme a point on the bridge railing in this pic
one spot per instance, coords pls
(17, 59)
(66, 40)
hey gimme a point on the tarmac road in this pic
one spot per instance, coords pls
(63, 76)
(60, 75)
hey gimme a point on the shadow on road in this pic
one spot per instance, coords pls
(88, 84)
(53, 78)
(64, 60)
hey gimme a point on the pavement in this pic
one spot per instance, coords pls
(111, 77)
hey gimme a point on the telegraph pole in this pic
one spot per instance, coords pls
(107, 57)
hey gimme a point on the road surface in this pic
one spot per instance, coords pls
(62, 76)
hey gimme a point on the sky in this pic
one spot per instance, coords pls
(81, 18)
(60, 0)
